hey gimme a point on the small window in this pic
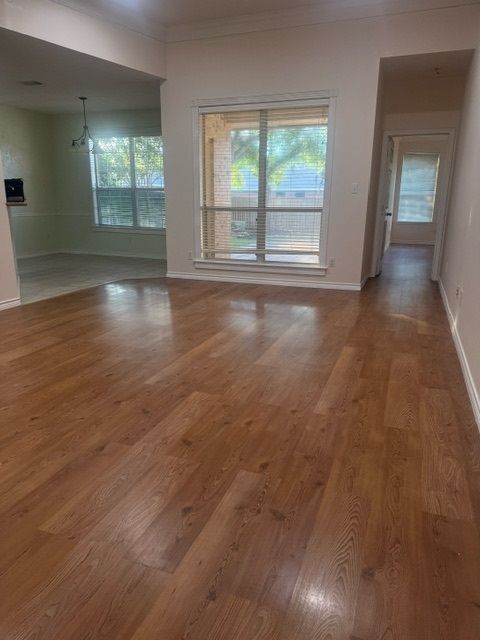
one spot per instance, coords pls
(418, 186)
(128, 184)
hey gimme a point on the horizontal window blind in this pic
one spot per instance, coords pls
(263, 183)
(418, 186)
(128, 183)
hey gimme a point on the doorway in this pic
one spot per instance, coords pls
(92, 213)
(413, 193)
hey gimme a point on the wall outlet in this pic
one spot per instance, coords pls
(331, 263)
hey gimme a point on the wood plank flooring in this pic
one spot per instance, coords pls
(208, 461)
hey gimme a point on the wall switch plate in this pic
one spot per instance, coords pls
(331, 262)
(355, 187)
(190, 255)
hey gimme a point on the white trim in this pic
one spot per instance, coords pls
(264, 101)
(135, 131)
(343, 286)
(328, 12)
(142, 231)
(9, 304)
(25, 214)
(324, 12)
(39, 254)
(442, 218)
(240, 103)
(415, 242)
(472, 390)
(253, 267)
(113, 254)
(364, 281)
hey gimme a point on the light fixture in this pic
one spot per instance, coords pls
(85, 143)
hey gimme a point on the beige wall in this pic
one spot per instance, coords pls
(95, 36)
(423, 103)
(461, 260)
(420, 95)
(372, 204)
(343, 57)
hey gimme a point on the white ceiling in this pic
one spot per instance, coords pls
(444, 64)
(153, 16)
(67, 74)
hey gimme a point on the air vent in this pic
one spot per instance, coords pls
(31, 83)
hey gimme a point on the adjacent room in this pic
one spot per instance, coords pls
(239, 320)
(93, 211)
(418, 116)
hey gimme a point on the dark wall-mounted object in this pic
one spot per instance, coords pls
(14, 190)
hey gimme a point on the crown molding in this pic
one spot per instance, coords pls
(156, 31)
(331, 11)
(326, 11)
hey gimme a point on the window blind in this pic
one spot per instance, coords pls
(128, 183)
(263, 183)
(418, 186)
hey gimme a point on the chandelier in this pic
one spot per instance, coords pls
(84, 143)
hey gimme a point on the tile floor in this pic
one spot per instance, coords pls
(53, 275)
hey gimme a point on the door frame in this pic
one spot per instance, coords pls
(442, 214)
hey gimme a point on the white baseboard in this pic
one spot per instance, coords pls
(364, 281)
(37, 255)
(8, 304)
(406, 243)
(473, 392)
(113, 254)
(345, 286)
(93, 253)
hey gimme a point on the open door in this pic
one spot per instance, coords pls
(384, 209)
(413, 192)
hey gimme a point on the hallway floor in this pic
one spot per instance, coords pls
(53, 275)
(211, 461)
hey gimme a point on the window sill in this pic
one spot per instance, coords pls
(275, 267)
(135, 230)
(415, 222)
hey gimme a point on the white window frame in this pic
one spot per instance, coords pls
(96, 225)
(222, 105)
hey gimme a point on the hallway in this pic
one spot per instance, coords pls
(187, 459)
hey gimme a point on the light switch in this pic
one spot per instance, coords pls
(355, 187)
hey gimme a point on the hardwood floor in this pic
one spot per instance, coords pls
(215, 461)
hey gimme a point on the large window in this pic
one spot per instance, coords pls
(127, 179)
(263, 185)
(418, 187)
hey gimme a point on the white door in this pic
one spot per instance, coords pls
(385, 197)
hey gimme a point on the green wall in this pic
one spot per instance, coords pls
(59, 216)
(27, 152)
